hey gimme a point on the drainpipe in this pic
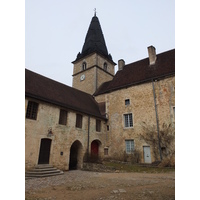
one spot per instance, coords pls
(88, 138)
(154, 95)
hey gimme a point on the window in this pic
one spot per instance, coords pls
(79, 120)
(84, 66)
(127, 102)
(63, 117)
(32, 108)
(105, 66)
(98, 125)
(108, 128)
(129, 146)
(105, 151)
(128, 120)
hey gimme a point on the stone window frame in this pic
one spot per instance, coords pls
(173, 113)
(32, 110)
(105, 66)
(105, 151)
(130, 123)
(127, 102)
(79, 121)
(129, 146)
(108, 128)
(98, 125)
(84, 66)
(63, 117)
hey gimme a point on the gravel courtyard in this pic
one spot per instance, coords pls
(84, 185)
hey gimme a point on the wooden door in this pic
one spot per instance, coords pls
(95, 148)
(44, 154)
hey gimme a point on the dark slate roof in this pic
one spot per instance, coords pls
(140, 72)
(48, 90)
(94, 41)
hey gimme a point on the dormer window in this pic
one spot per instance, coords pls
(105, 67)
(84, 66)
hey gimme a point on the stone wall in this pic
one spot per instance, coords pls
(63, 136)
(143, 110)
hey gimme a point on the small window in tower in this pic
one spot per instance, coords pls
(84, 66)
(105, 66)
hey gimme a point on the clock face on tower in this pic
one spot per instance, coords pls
(82, 77)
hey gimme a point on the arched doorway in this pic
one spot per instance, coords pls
(44, 154)
(95, 150)
(76, 156)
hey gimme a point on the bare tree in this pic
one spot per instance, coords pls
(166, 137)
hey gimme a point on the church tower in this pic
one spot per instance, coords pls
(93, 66)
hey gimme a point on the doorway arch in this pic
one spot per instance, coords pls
(44, 154)
(76, 156)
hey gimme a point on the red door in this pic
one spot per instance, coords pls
(95, 148)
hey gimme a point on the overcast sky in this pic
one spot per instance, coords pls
(55, 31)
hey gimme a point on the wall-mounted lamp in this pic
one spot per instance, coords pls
(50, 133)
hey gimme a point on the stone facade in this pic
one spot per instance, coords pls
(143, 110)
(62, 137)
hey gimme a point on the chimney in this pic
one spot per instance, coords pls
(121, 64)
(152, 55)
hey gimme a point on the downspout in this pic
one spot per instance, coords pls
(154, 95)
(88, 142)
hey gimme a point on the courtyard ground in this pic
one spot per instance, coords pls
(87, 185)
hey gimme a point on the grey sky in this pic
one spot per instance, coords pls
(55, 31)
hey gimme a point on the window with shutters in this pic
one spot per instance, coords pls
(79, 119)
(129, 146)
(32, 109)
(63, 117)
(128, 120)
(98, 125)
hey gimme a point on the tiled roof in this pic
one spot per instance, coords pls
(45, 89)
(140, 72)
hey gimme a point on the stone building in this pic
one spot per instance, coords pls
(103, 115)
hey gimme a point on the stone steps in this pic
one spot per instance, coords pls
(42, 171)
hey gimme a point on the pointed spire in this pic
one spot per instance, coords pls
(95, 12)
(94, 40)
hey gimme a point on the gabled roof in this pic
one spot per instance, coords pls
(140, 72)
(94, 41)
(48, 90)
